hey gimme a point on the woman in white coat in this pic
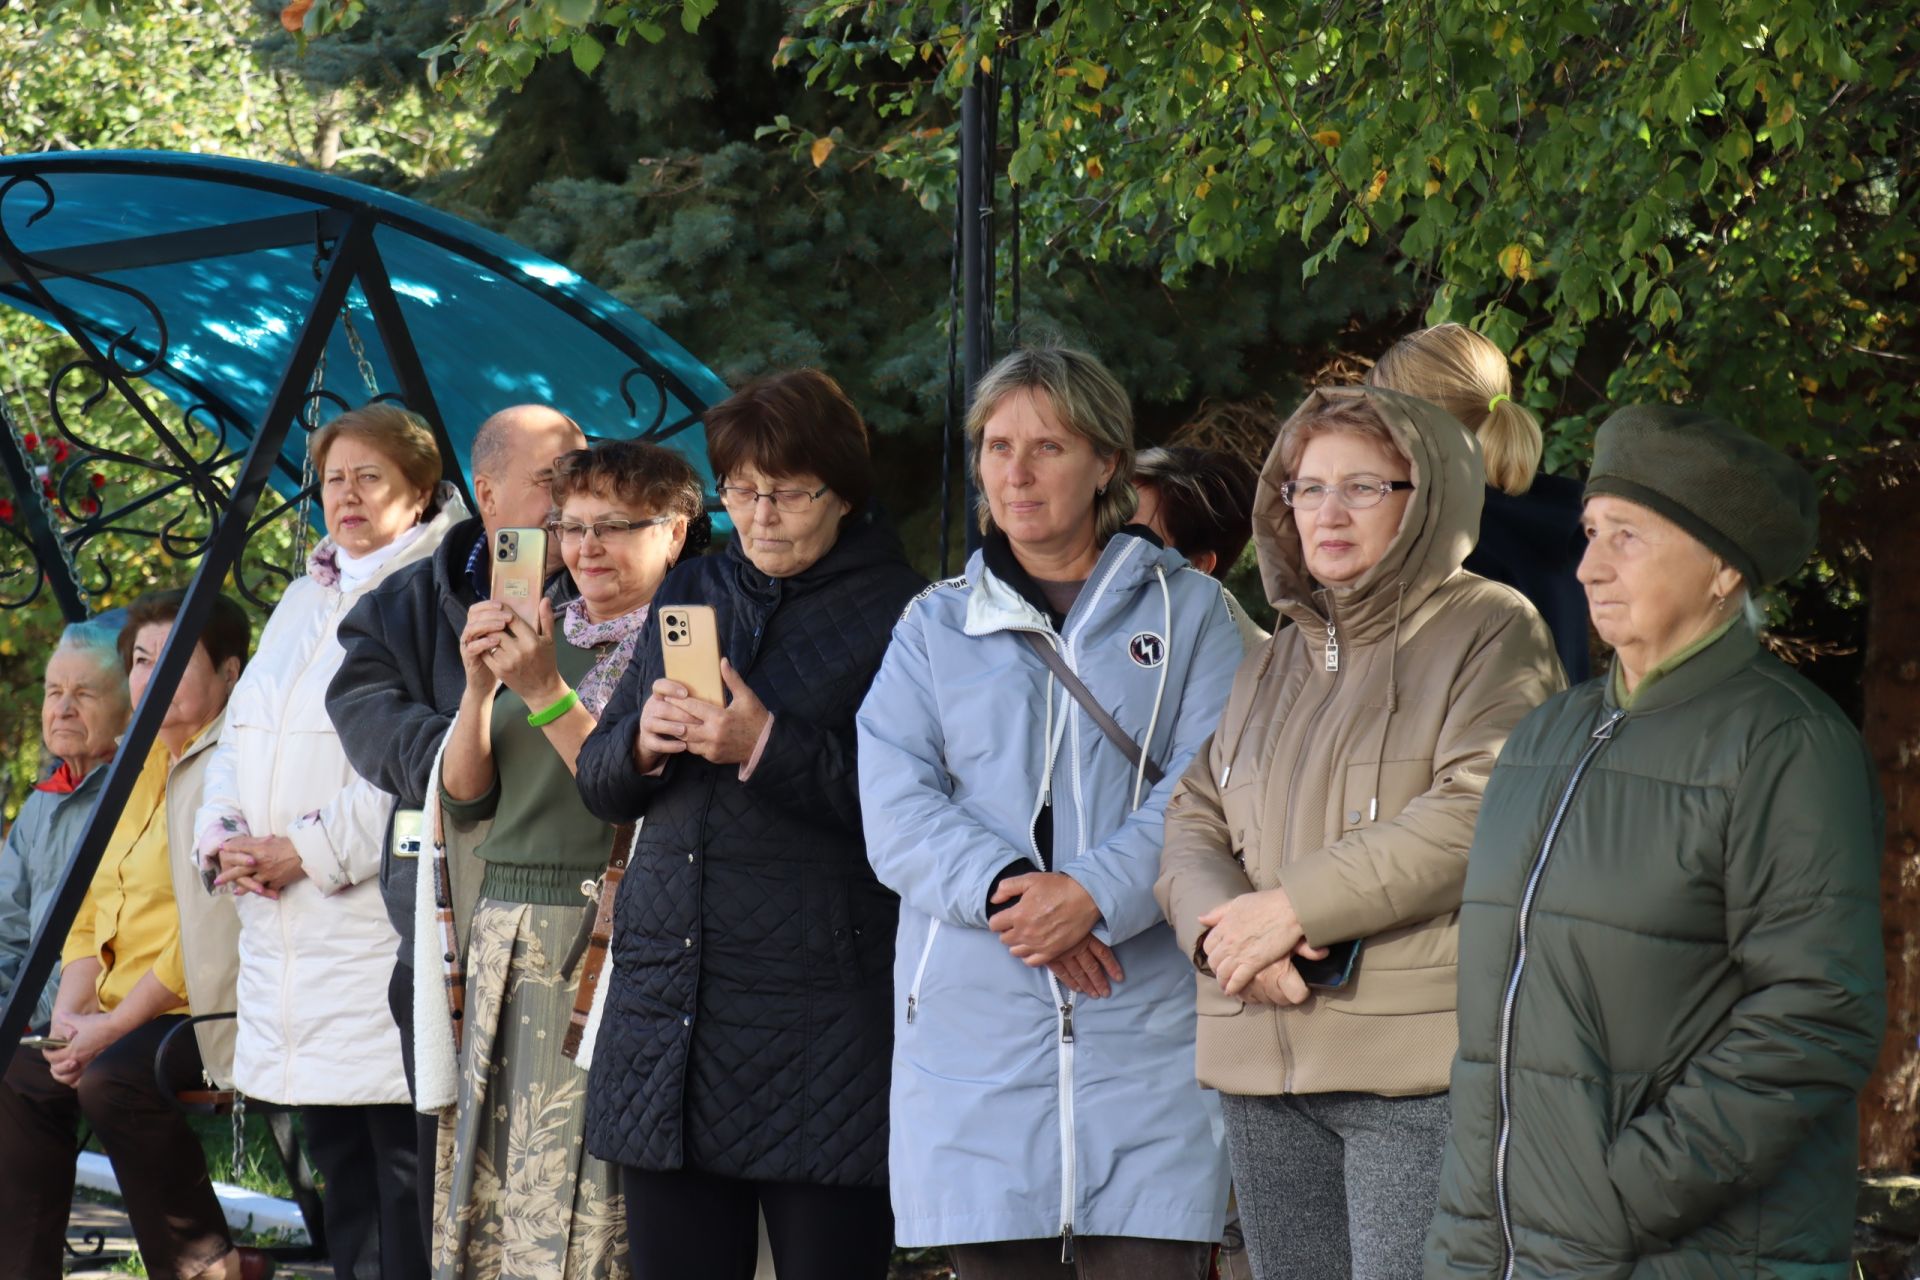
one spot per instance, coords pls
(297, 834)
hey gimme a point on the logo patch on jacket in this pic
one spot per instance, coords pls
(1147, 649)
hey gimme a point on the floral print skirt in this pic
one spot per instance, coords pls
(516, 1196)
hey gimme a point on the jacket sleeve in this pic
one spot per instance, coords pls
(1198, 871)
(611, 785)
(219, 795)
(1802, 894)
(1120, 871)
(340, 843)
(390, 735)
(1413, 865)
(939, 858)
(16, 907)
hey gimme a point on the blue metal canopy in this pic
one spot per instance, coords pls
(214, 260)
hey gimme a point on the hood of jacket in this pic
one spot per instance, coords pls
(1439, 529)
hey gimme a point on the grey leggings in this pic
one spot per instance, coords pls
(1335, 1185)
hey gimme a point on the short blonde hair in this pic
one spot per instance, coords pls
(1464, 373)
(396, 433)
(1087, 399)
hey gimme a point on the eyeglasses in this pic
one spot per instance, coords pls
(791, 501)
(1356, 492)
(570, 532)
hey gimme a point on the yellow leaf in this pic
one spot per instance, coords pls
(1328, 137)
(1200, 191)
(986, 65)
(1097, 76)
(822, 148)
(1094, 168)
(1515, 45)
(1374, 188)
(1516, 262)
(1809, 384)
(1433, 187)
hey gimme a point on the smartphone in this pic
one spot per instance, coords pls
(520, 570)
(407, 827)
(690, 645)
(42, 1042)
(1333, 972)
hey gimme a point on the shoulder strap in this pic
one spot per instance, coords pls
(596, 930)
(1084, 696)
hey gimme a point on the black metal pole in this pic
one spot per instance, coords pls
(41, 535)
(222, 553)
(976, 259)
(415, 388)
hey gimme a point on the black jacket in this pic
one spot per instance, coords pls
(1533, 543)
(398, 687)
(748, 1028)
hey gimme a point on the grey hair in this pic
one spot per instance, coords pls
(99, 639)
(1756, 617)
(1087, 399)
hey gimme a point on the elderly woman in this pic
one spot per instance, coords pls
(131, 974)
(534, 693)
(298, 835)
(1670, 953)
(1315, 851)
(1530, 527)
(83, 708)
(1044, 1113)
(742, 1059)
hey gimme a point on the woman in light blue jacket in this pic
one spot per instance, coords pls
(1045, 1117)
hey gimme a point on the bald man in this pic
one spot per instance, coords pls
(397, 690)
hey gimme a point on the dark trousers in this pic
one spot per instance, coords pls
(685, 1224)
(155, 1153)
(1094, 1258)
(370, 1158)
(426, 1128)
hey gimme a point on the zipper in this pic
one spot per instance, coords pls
(920, 971)
(1601, 737)
(1333, 641)
(1062, 1001)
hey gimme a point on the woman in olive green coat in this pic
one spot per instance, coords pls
(1671, 985)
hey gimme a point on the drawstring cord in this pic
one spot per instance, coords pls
(1393, 703)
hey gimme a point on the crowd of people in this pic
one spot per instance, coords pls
(1054, 915)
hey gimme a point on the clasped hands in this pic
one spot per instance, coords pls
(1050, 924)
(87, 1036)
(262, 865)
(674, 721)
(1250, 944)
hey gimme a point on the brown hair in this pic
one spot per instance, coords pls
(1464, 373)
(1206, 499)
(395, 432)
(1346, 416)
(789, 424)
(1088, 400)
(228, 633)
(648, 476)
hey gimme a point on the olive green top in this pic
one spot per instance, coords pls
(543, 842)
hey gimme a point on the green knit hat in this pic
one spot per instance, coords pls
(1750, 504)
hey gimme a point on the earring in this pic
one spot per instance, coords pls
(1101, 492)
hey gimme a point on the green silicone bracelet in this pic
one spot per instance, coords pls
(540, 719)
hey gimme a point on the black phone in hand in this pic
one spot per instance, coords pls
(1335, 971)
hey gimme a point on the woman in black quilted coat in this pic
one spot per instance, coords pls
(742, 1059)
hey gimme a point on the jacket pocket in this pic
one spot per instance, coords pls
(1400, 781)
(1211, 1002)
(920, 970)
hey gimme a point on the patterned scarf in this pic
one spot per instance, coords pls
(620, 635)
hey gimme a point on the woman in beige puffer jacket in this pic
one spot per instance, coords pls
(1326, 826)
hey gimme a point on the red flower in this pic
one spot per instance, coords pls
(46, 487)
(6, 511)
(99, 481)
(30, 440)
(91, 506)
(59, 450)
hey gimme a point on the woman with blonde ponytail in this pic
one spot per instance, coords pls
(1530, 528)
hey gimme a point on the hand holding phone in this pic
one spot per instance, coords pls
(42, 1043)
(520, 570)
